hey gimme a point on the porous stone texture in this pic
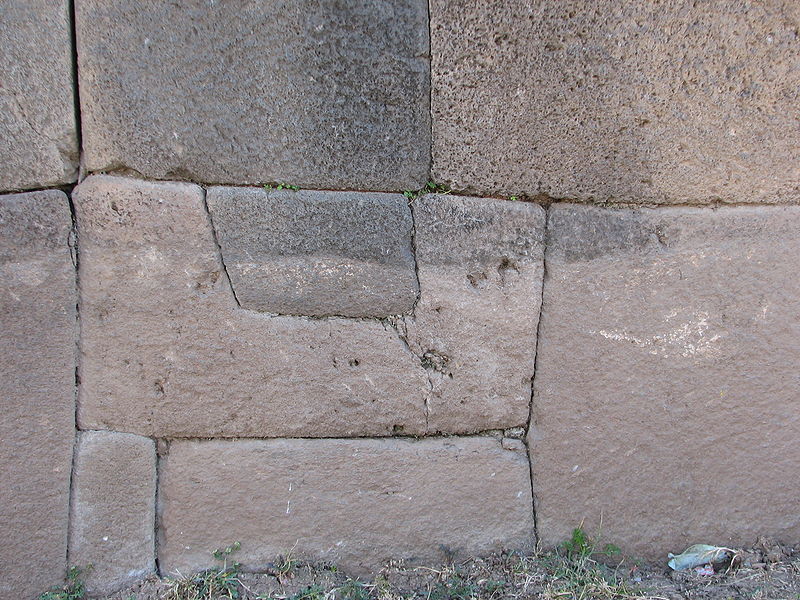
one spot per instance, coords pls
(353, 502)
(113, 508)
(37, 389)
(166, 351)
(667, 392)
(655, 102)
(317, 94)
(316, 253)
(37, 111)
(480, 265)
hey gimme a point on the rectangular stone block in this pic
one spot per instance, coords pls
(327, 96)
(353, 502)
(641, 102)
(113, 508)
(667, 392)
(480, 265)
(37, 389)
(167, 352)
(316, 253)
(37, 111)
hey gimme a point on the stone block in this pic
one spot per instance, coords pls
(316, 253)
(37, 389)
(667, 394)
(113, 508)
(480, 265)
(37, 110)
(327, 96)
(640, 102)
(354, 502)
(166, 351)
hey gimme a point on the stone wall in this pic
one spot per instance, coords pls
(601, 324)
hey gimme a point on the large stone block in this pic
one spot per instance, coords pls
(354, 502)
(655, 102)
(316, 253)
(325, 95)
(167, 352)
(37, 111)
(480, 265)
(37, 389)
(113, 508)
(667, 393)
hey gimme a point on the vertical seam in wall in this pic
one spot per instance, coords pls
(536, 366)
(218, 246)
(430, 94)
(76, 92)
(157, 507)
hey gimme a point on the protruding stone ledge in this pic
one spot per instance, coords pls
(316, 253)
(37, 389)
(667, 396)
(353, 502)
(113, 508)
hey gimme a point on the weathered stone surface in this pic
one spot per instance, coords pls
(355, 502)
(667, 395)
(480, 265)
(316, 253)
(37, 389)
(37, 112)
(634, 101)
(318, 94)
(113, 508)
(166, 351)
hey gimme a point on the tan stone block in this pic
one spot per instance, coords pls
(667, 394)
(113, 508)
(37, 389)
(37, 110)
(167, 352)
(354, 502)
(480, 267)
(653, 102)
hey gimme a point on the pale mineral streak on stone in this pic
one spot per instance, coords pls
(356, 503)
(666, 395)
(37, 113)
(167, 352)
(316, 253)
(113, 509)
(37, 389)
(641, 102)
(480, 267)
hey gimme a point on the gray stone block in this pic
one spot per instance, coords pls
(353, 502)
(618, 101)
(113, 508)
(37, 111)
(317, 94)
(166, 351)
(37, 389)
(316, 253)
(480, 265)
(667, 394)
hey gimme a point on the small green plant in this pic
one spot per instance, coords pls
(429, 188)
(454, 587)
(73, 589)
(212, 584)
(312, 592)
(352, 590)
(286, 564)
(281, 186)
(513, 198)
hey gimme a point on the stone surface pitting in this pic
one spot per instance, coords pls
(317, 94)
(353, 502)
(113, 508)
(316, 253)
(37, 389)
(480, 265)
(667, 389)
(167, 352)
(37, 112)
(634, 102)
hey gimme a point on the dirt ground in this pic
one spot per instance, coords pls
(766, 571)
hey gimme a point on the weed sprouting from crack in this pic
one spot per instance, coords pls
(429, 188)
(73, 589)
(212, 584)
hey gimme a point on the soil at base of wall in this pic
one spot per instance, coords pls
(766, 571)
